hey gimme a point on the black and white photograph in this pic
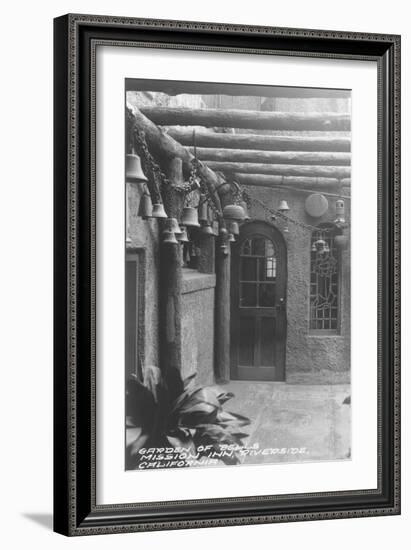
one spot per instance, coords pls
(237, 274)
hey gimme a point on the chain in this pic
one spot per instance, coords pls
(279, 214)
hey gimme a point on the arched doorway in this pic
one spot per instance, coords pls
(258, 304)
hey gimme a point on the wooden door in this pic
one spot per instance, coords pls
(258, 307)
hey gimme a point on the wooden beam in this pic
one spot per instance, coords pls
(237, 118)
(167, 148)
(262, 180)
(262, 142)
(281, 169)
(175, 87)
(272, 157)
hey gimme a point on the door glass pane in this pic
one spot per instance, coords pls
(267, 269)
(248, 295)
(248, 269)
(267, 342)
(246, 341)
(258, 248)
(266, 295)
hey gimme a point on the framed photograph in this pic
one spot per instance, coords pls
(227, 203)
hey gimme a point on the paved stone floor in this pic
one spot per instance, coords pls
(291, 416)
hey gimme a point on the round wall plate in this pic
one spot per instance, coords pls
(316, 205)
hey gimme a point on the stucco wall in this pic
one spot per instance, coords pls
(198, 325)
(144, 235)
(311, 358)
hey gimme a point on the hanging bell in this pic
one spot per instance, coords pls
(189, 217)
(175, 228)
(158, 211)
(145, 208)
(182, 237)
(223, 232)
(224, 249)
(244, 206)
(206, 229)
(231, 238)
(234, 229)
(234, 212)
(169, 237)
(203, 209)
(134, 172)
(283, 206)
(321, 246)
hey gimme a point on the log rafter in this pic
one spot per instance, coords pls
(238, 118)
(338, 172)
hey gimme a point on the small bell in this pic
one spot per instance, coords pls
(158, 211)
(223, 232)
(231, 238)
(234, 229)
(145, 208)
(283, 207)
(321, 246)
(203, 209)
(206, 229)
(182, 237)
(175, 228)
(189, 217)
(224, 249)
(169, 237)
(134, 172)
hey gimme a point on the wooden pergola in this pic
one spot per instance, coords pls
(277, 153)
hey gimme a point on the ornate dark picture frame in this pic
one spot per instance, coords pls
(75, 41)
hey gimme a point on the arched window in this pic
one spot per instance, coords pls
(325, 279)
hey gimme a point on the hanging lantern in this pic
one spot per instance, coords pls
(134, 172)
(175, 228)
(189, 217)
(182, 237)
(203, 209)
(321, 246)
(234, 212)
(341, 241)
(244, 206)
(234, 229)
(283, 207)
(158, 211)
(145, 208)
(340, 211)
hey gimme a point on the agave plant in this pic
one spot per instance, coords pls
(165, 411)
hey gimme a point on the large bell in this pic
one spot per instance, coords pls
(169, 237)
(134, 172)
(283, 207)
(158, 211)
(145, 208)
(203, 209)
(234, 212)
(182, 237)
(189, 217)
